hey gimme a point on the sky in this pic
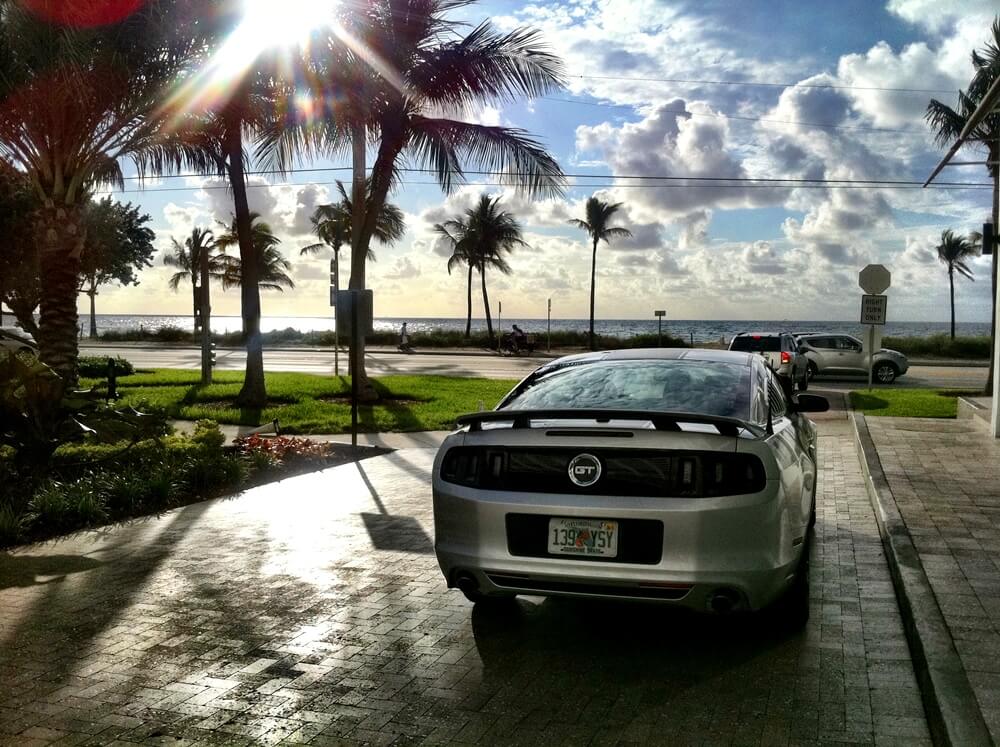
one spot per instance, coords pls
(661, 88)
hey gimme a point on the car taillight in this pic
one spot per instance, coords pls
(786, 357)
(461, 466)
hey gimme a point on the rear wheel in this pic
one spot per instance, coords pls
(811, 370)
(804, 381)
(884, 373)
(791, 610)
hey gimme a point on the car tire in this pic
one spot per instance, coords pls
(884, 373)
(804, 381)
(790, 612)
(811, 370)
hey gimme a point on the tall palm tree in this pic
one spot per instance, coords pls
(599, 215)
(74, 102)
(461, 254)
(272, 267)
(482, 237)
(948, 124)
(953, 251)
(332, 225)
(186, 258)
(394, 67)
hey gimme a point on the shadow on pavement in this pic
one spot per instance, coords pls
(31, 570)
(397, 533)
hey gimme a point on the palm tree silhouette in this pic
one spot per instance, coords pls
(948, 124)
(953, 251)
(599, 215)
(186, 258)
(272, 267)
(481, 238)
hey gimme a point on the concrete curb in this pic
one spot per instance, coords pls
(952, 710)
(381, 350)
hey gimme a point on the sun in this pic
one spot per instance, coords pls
(268, 24)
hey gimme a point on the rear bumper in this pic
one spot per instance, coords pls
(744, 545)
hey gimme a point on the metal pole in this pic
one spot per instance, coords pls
(548, 344)
(659, 331)
(995, 419)
(336, 324)
(871, 353)
(204, 314)
(355, 346)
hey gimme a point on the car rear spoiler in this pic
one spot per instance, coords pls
(662, 421)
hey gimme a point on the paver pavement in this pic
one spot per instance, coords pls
(312, 611)
(945, 478)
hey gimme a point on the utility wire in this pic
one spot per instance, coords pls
(737, 185)
(762, 84)
(641, 177)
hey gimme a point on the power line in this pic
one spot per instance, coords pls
(736, 185)
(763, 84)
(856, 128)
(640, 177)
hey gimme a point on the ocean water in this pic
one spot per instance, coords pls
(696, 330)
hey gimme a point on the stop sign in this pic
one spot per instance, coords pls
(874, 279)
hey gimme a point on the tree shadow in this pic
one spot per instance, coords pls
(18, 570)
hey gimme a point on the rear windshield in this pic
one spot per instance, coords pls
(667, 386)
(751, 344)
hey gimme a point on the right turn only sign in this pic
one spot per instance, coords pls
(873, 309)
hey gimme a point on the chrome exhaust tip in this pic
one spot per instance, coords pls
(466, 582)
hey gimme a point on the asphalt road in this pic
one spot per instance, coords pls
(494, 367)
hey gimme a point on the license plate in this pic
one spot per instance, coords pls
(589, 537)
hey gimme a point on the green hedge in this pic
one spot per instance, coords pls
(90, 484)
(941, 346)
(96, 367)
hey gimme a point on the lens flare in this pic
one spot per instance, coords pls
(83, 13)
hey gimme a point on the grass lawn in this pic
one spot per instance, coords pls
(304, 403)
(908, 403)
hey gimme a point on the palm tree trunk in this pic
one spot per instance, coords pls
(194, 298)
(486, 305)
(253, 394)
(92, 292)
(593, 288)
(205, 318)
(468, 318)
(951, 282)
(60, 235)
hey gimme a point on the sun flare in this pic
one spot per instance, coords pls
(269, 23)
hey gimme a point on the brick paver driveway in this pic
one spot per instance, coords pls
(312, 611)
(945, 477)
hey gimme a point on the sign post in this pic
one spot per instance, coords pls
(659, 314)
(354, 312)
(874, 281)
(334, 288)
(548, 342)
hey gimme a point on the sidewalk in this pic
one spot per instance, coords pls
(944, 477)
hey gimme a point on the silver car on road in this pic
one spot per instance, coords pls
(677, 476)
(833, 354)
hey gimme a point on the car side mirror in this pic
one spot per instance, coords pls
(809, 403)
(803, 349)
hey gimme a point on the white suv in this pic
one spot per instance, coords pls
(781, 353)
(833, 354)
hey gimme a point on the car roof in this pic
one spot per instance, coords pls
(654, 354)
(760, 334)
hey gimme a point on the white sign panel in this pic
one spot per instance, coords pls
(873, 309)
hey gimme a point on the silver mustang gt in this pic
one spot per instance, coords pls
(678, 476)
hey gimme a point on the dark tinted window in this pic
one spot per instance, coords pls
(823, 343)
(667, 386)
(756, 344)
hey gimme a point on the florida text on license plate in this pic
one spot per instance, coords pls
(595, 537)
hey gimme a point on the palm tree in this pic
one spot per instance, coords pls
(461, 254)
(482, 237)
(599, 215)
(74, 103)
(393, 69)
(953, 251)
(332, 225)
(186, 258)
(949, 123)
(272, 267)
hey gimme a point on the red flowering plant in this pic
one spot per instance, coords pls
(281, 450)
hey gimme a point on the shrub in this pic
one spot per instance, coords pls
(941, 346)
(64, 507)
(96, 367)
(11, 524)
(208, 434)
(283, 448)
